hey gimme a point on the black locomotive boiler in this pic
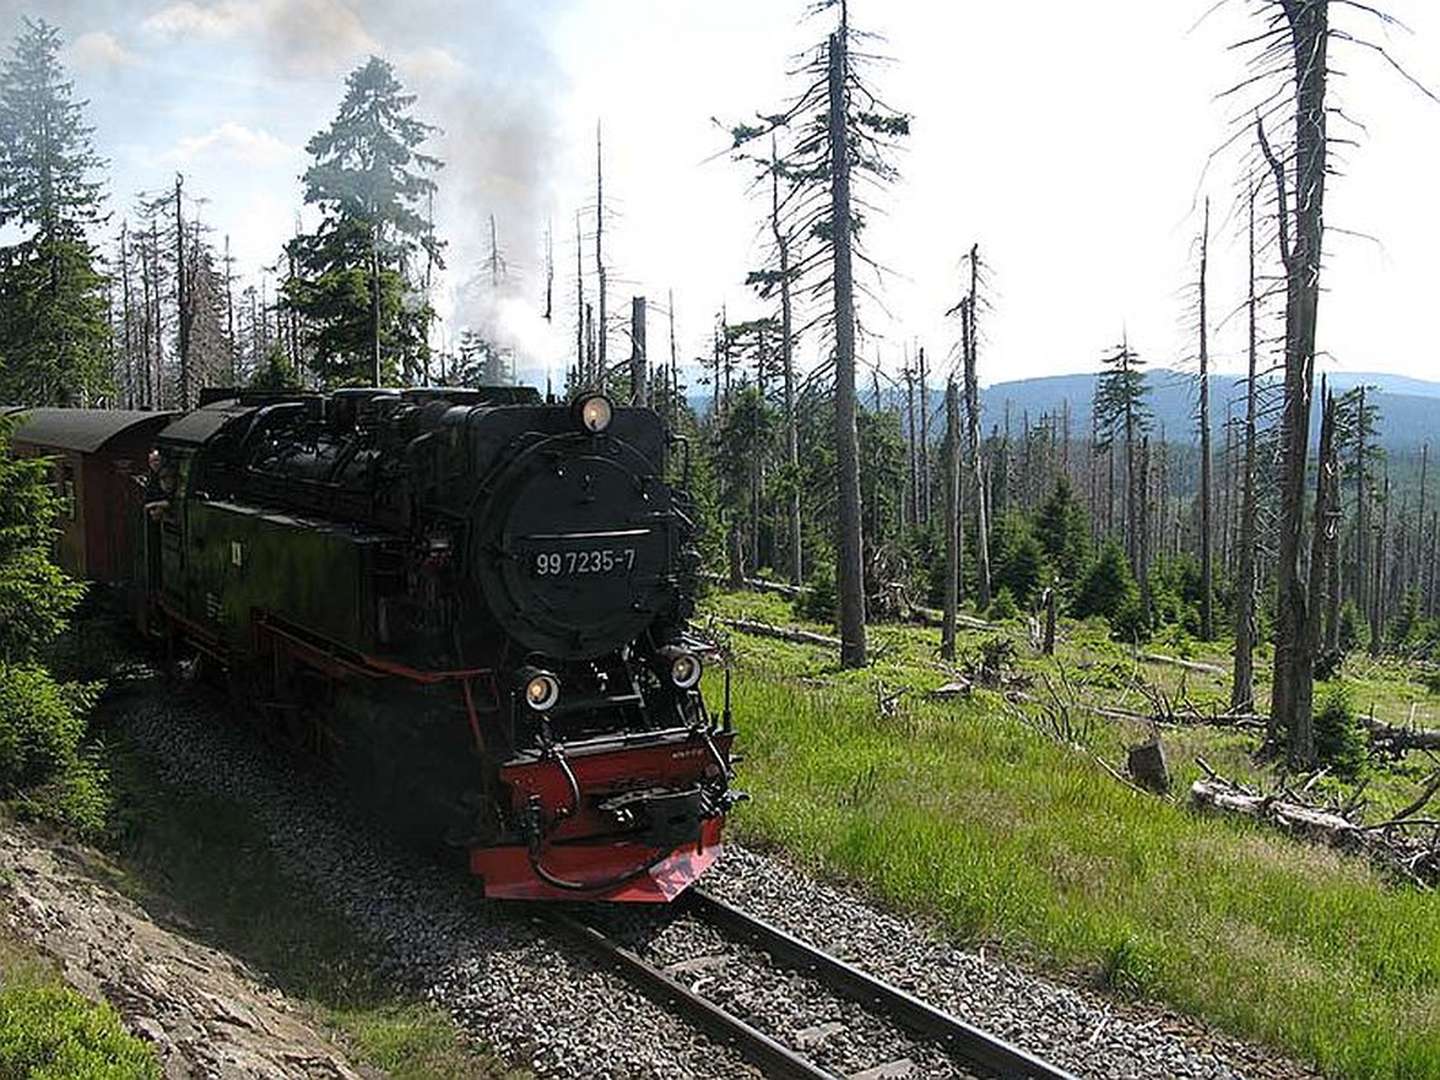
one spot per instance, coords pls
(475, 601)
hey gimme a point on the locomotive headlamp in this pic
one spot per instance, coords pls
(541, 689)
(594, 412)
(684, 666)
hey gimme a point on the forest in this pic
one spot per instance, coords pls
(957, 567)
(1283, 520)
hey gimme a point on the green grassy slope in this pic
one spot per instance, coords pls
(961, 809)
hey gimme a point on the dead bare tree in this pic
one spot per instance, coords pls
(1242, 687)
(969, 349)
(952, 518)
(843, 132)
(1207, 570)
(1290, 71)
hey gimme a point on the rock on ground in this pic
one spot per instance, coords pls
(204, 1012)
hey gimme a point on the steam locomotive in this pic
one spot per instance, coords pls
(475, 602)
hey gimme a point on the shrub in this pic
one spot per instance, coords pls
(1339, 742)
(52, 1033)
(1003, 606)
(1353, 633)
(1128, 623)
(42, 725)
(821, 601)
(1017, 560)
(1107, 585)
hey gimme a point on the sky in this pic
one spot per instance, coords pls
(1073, 142)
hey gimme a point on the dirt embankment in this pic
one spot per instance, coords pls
(206, 1014)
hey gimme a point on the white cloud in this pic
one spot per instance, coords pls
(222, 20)
(304, 37)
(100, 51)
(230, 142)
(432, 64)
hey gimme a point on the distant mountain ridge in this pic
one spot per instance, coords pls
(1409, 407)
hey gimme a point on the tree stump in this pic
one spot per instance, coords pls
(1147, 766)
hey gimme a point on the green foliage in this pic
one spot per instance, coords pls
(41, 725)
(1129, 622)
(1119, 406)
(1107, 586)
(1354, 633)
(1407, 627)
(1124, 966)
(369, 180)
(821, 602)
(35, 596)
(1175, 590)
(1063, 529)
(276, 373)
(42, 733)
(52, 1033)
(481, 362)
(1339, 741)
(1017, 561)
(42, 721)
(54, 337)
(1002, 607)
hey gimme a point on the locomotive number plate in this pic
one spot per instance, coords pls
(593, 561)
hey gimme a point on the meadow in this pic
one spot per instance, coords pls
(983, 813)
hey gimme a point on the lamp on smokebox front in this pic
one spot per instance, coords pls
(540, 689)
(682, 665)
(593, 413)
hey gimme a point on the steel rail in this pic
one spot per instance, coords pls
(772, 1057)
(967, 1041)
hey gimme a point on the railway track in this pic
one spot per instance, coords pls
(781, 965)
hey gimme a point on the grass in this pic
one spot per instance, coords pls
(50, 1032)
(201, 861)
(961, 810)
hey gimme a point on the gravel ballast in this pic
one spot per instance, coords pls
(529, 994)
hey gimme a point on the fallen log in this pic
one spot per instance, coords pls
(1396, 740)
(1392, 845)
(781, 633)
(936, 618)
(1292, 816)
(1188, 665)
(759, 584)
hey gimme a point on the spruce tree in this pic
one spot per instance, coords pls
(54, 334)
(351, 285)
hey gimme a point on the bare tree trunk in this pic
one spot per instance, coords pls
(787, 365)
(375, 370)
(182, 300)
(1207, 571)
(1362, 510)
(673, 398)
(1417, 575)
(969, 349)
(913, 458)
(952, 519)
(639, 391)
(1323, 547)
(850, 574)
(924, 439)
(1242, 690)
(598, 376)
(126, 315)
(581, 309)
(1142, 528)
(1377, 590)
(1294, 665)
